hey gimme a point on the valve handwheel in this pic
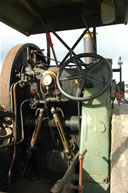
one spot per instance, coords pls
(85, 74)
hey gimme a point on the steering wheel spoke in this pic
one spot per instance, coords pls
(77, 62)
(80, 87)
(95, 81)
(95, 65)
(73, 77)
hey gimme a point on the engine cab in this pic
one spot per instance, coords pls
(42, 114)
(52, 115)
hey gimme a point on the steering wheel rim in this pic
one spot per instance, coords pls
(76, 57)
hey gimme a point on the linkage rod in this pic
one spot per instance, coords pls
(62, 41)
(73, 47)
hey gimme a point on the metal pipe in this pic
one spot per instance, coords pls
(14, 129)
(37, 128)
(16, 143)
(88, 46)
(22, 128)
(81, 158)
(120, 73)
(95, 40)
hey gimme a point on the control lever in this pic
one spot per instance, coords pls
(37, 128)
(61, 132)
(81, 158)
(34, 136)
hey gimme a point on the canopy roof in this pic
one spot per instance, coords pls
(40, 16)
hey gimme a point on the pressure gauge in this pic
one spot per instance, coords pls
(47, 79)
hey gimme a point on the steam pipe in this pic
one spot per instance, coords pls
(14, 129)
(89, 45)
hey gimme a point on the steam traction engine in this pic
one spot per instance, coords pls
(49, 113)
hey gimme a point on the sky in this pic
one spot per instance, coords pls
(112, 42)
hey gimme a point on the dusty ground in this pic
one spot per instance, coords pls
(119, 154)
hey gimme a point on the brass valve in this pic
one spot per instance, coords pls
(61, 132)
(37, 128)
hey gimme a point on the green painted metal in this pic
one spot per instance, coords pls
(39, 16)
(95, 137)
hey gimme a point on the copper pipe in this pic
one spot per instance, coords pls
(13, 144)
(81, 158)
(15, 109)
(22, 130)
(12, 162)
(14, 129)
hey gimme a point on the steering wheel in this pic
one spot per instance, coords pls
(85, 73)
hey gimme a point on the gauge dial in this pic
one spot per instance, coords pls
(47, 79)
